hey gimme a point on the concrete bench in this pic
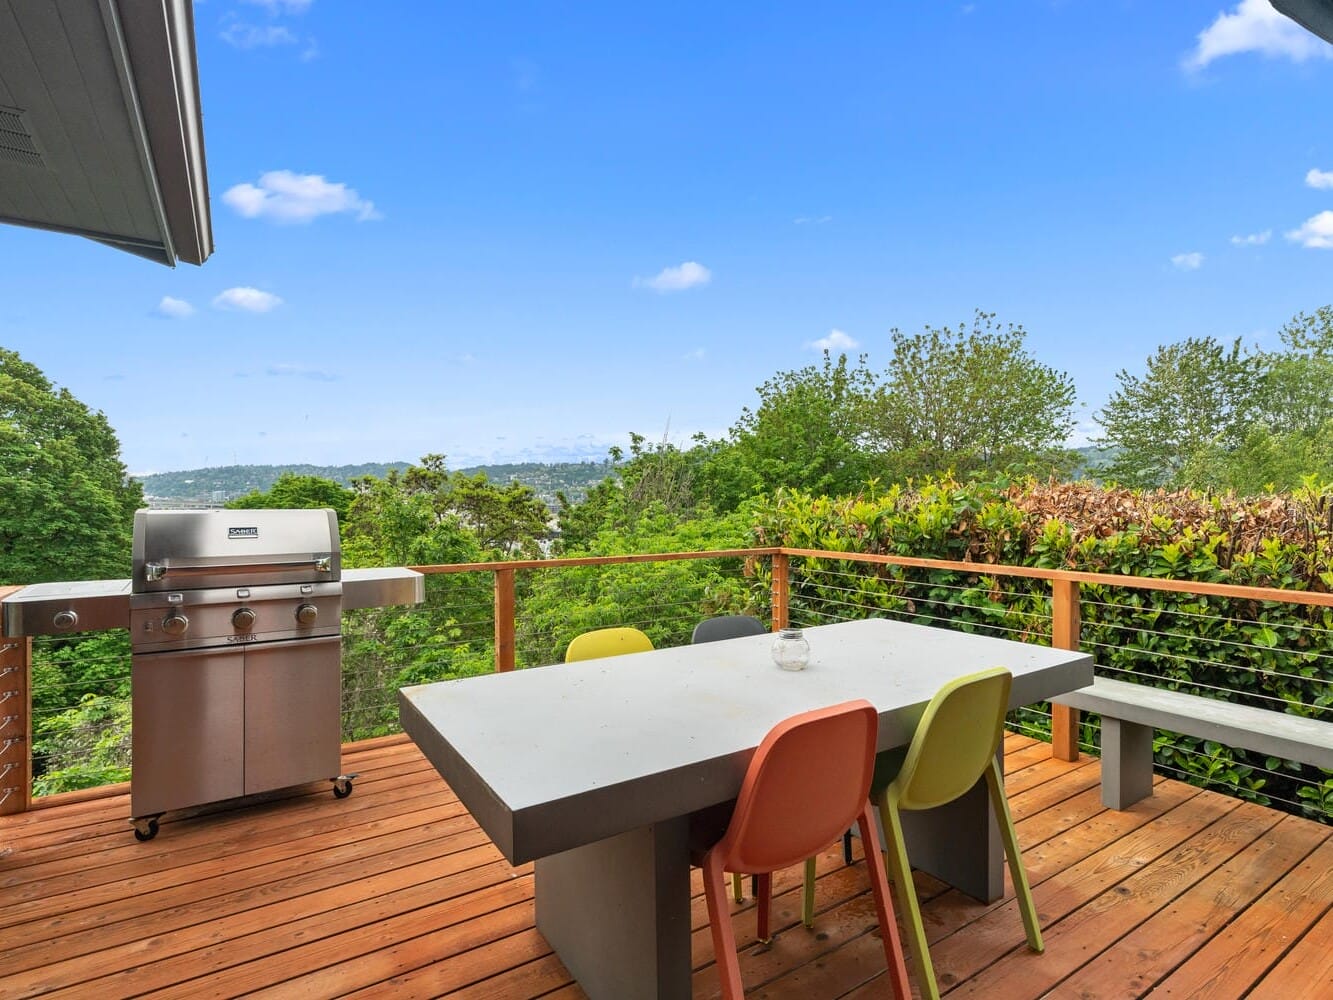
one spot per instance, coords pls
(1130, 713)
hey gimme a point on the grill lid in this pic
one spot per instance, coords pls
(192, 549)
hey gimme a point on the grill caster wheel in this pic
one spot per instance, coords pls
(342, 787)
(145, 830)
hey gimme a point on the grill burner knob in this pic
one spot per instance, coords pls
(175, 623)
(306, 614)
(65, 620)
(243, 620)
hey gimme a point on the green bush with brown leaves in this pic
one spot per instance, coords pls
(1267, 653)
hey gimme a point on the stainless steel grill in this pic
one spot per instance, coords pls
(235, 623)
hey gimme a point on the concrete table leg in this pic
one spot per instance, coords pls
(617, 912)
(959, 843)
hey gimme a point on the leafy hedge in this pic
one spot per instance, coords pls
(1272, 654)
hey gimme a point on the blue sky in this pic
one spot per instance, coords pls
(518, 231)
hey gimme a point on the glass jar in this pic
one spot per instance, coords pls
(791, 650)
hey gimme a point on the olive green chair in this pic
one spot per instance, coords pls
(607, 642)
(954, 746)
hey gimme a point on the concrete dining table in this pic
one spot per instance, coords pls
(592, 769)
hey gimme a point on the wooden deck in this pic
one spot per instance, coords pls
(395, 892)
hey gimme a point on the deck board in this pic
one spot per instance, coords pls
(395, 892)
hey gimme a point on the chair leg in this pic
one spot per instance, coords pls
(847, 848)
(724, 936)
(910, 908)
(737, 893)
(764, 904)
(808, 894)
(1017, 873)
(888, 925)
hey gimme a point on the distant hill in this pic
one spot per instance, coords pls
(215, 486)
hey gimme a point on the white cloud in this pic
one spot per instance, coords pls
(276, 7)
(284, 196)
(1253, 239)
(1316, 233)
(250, 36)
(1319, 179)
(1188, 261)
(299, 371)
(247, 300)
(175, 308)
(812, 220)
(835, 342)
(698, 354)
(676, 279)
(1254, 26)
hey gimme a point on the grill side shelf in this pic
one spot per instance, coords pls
(58, 608)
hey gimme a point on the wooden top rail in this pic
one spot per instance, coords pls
(1308, 597)
(593, 560)
(1312, 597)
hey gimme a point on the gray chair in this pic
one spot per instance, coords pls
(727, 627)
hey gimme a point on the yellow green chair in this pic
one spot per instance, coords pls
(607, 642)
(954, 746)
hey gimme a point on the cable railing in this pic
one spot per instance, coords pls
(1260, 646)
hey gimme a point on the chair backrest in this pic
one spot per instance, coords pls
(807, 782)
(607, 642)
(955, 740)
(727, 627)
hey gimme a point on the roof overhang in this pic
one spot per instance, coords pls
(1313, 15)
(101, 133)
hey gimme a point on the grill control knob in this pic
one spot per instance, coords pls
(306, 614)
(175, 623)
(65, 620)
(243, 619)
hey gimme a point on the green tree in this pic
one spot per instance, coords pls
(971, 401)
(808, 432)
(291, 491)
(1195, 396)
(66, 502)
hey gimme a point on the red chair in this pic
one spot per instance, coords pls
(807, 782)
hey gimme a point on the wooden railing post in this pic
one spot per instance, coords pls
(504, 620)
(1065, 627)
(781, 589)
(15, 721)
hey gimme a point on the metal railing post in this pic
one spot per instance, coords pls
(504, 620)
(1065, 626)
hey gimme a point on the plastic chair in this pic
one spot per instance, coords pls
(802, 760)
(727, 627)
(954, 746)
(607, 642)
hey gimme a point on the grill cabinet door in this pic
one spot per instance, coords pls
(186, 737)
(293, 712)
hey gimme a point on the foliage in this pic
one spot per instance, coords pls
(291, 491)
(664, 599)
(809, 430)
(1195, 394)
(66, 503)
(970, 401)
(429, 515)
(1274, 655)
(84, 746)
(81, 710)
(1211, 416)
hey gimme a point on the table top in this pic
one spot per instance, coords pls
(555, 757)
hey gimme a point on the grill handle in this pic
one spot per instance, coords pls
(158, 571)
